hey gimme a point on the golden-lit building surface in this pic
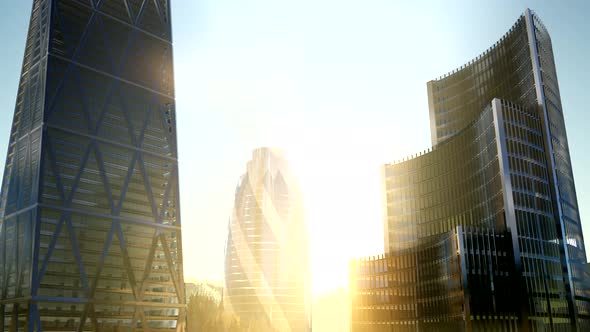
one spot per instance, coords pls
(267, 256)
(482, 232)
(425, 288)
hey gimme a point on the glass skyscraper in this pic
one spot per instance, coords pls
(267, 257)
(482, 232)
(90, 236)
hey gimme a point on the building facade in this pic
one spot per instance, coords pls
(440, 286)
(267, 272)
(493, 203)
(90, 236)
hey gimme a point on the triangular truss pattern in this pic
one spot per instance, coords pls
(107, 233)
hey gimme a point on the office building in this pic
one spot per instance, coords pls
(267, 257)
(482, 231)
(90, 236)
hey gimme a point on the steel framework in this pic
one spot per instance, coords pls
(90, 228)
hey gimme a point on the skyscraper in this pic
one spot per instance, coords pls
(90, 238)
(267, 256)
(483, 231)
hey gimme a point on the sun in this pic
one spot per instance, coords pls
(340, 182)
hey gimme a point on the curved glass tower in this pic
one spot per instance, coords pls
(90, 227)
(267, 255)
(497, 183)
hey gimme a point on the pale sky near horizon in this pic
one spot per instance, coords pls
(339, 85)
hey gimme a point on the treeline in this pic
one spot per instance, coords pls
(205, 313)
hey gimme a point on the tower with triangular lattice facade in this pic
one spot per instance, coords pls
(90, 225)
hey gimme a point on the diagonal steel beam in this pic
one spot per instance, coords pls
(148, 265)
(106, 41)
(103, 175)
(126, 260)
(122, 242)
(88, 310)
(169, 136)
(99, 267)
(78, 175)
(140, 13)
(130, 171)
(54, 168)
(127, 180)
(27, 239)
(146, 121)
(114, 227)
(144, 323)
(76, 52)
(110, 90)
(79, 85)
(57, 231)
(34, 318)
(9, 261)
(181, 299)
(115, 223)
(128, 8)
(128, 121)
(141, 162)
(159, 10)
(56, 234)
(93, 318)
(180, 326)
(135, 317)
(167, 195)
(148, 187)
(76, 250)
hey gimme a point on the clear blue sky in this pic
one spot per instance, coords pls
(340, 84)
